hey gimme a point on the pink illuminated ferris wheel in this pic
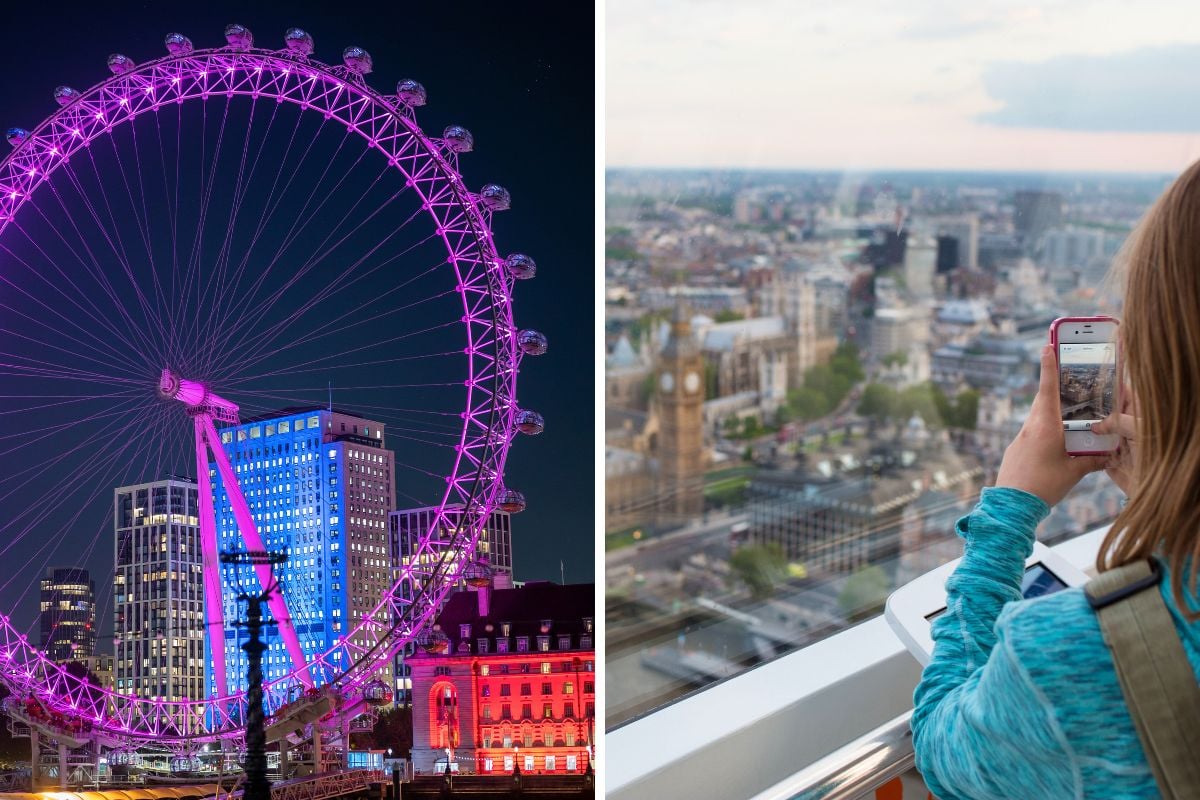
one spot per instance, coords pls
(197, 255)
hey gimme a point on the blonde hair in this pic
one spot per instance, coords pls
(1160, 340)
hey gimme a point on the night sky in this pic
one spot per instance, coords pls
(519, 76)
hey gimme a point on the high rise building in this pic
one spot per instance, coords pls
(405, 528)
(158, 591)
(319, 483)
(68, 614)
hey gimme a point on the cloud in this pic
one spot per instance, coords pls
(1151, 90)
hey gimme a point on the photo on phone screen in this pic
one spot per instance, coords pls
(1086, 377)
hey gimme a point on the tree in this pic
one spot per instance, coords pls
(728, 315)
(966, 409)
(864, 593)
(896, 359)
(394, 729)
(879, 402)
(920, 400)
(760, 567)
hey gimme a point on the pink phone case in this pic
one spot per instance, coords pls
(1116, 363)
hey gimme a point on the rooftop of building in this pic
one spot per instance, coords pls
(525, 609)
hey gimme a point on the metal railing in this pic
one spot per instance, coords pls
(852, 771)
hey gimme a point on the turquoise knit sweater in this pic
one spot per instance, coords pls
(1020, 699)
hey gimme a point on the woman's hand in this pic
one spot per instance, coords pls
(1120, 466)
(1037, 460)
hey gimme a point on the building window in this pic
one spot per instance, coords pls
(527, 711)
(485, 690)
(505, 711)
(526, 690)
(485, 669)
(522, 644)
(487, 765)
(572, 761)
(464, 631)
(547, 688)
(487, 712)
(564, 642)
(547, 710)
(543, 644)
(508, 763)
(585, 642)
(569, 713)
(505, 629)
(545, 667)
(589, 687)
(502, 645)
(482, 645)
(529, 761)
(505, 690)
(568, 688)
(549, 763)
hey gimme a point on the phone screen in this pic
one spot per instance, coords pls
(1086, 377)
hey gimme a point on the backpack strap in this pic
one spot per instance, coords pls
(1157, 680)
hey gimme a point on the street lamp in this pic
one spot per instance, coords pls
(257, 786)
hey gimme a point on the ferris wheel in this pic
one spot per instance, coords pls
(222, 235)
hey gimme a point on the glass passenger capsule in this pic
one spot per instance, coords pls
(495, 197)
(65, 95)
(357, 60)
(458, 139)
(512, 501)
(477, 574)
(119, 64)
(16, 135)
(177, 44)
(411, 93)
(532, 343)
(520, 266)
(530, 422)
(376, 693)
(239, 37)
(298, 41)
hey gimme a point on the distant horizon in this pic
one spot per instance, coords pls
(890, 171)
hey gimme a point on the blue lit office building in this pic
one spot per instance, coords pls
(319, 483)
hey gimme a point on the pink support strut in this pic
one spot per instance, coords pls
(203, 406)
(245, 523)
(214, 613)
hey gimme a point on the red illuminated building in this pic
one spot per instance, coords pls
(507, 680)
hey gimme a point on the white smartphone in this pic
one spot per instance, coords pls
(1088, 382)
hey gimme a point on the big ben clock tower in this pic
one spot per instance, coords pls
(681, 426)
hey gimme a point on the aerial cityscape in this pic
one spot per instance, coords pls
(809, 377)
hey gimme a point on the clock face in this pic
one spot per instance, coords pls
(666, 381)
(692, 383)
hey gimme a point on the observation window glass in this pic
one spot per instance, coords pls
(823, 328)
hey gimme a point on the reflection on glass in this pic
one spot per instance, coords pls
(813, 368)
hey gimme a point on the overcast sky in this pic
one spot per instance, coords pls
(925, 84)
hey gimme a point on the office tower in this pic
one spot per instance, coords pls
(405, 528)
(964, 230)
(947, 254)
(319, 483)
(158, 591)
(68, 614)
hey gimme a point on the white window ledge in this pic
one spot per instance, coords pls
(742, 736)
